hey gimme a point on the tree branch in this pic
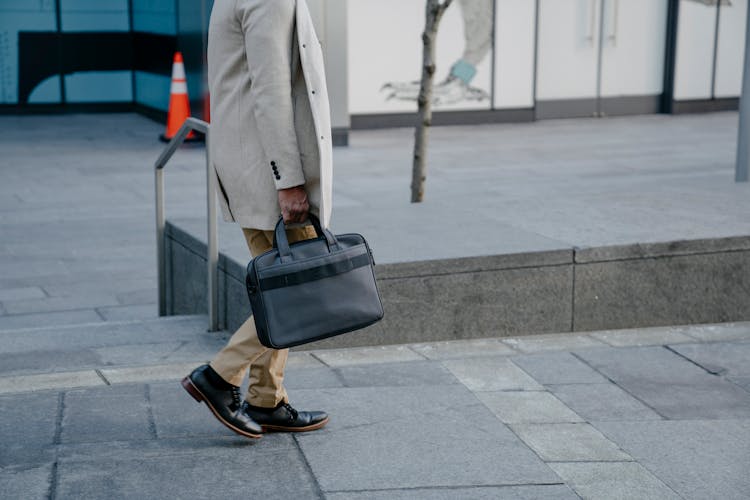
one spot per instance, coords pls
(433, 14)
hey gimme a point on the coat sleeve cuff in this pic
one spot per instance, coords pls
(286, 173)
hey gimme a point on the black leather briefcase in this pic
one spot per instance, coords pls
(312, 289)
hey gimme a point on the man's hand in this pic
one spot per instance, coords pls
(294, 205)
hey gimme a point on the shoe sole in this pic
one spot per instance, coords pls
(188, 385)
(277, 428)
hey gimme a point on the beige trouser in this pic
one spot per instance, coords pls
(245, 350)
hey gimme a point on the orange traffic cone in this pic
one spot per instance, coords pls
(179, 104)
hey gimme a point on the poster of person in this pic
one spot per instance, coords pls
(385, 54)
(477, 17)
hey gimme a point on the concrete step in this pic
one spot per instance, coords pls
(100, 346)
(198, 320)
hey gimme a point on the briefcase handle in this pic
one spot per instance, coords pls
(281, 243)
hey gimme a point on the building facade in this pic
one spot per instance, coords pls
(498, 60)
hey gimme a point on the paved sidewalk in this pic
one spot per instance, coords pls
(653, 413)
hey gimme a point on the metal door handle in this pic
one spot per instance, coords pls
(592, 22)
(615, 13)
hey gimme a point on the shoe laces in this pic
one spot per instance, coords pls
(293, 414)
(236, 399)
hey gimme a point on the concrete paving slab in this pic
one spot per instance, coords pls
(177, 415)
(602, 402)
(491, 374)
(138, 297)
(77, 282)
(52, 304)
(48, 319)
(719, 332)
(105, 265)
(669, 384)
(302, 360)
(726, 358)
(125, 284)
(553, 342)
(129, 312)
(532, 492)
(569, 443)
(38, 267)
(177, 351)
(49, 381)
(142, 374)
(102, 334)
(196, 469)
(21, 293)
(360, 407)
(532, 407)
(367, 355)
(106, 414)
(177, 325)
(27, 483)
(392, 448)
(697, 459)
(558, 368)
(411, 374)
(642, 337)
(28, 426)
(311, 378)
(511, 237)
(47, 361)
(743, 382)
(616, 480)
(462, 349)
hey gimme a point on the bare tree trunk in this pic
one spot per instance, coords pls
(433, 15)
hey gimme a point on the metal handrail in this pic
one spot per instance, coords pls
(212, 257)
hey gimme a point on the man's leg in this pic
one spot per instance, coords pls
(267, 401)
(217, 384)
(244, 348)
(266, 407)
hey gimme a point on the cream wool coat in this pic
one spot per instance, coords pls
(270, 116)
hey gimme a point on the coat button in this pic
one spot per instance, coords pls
(304, 46)
(313, 91)
(273, 163)
(278, 177)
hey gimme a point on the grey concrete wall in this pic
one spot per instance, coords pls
(684, 282)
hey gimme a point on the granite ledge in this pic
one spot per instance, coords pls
(661, 249)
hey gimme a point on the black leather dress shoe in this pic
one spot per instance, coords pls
(284, 418)
(225, 404)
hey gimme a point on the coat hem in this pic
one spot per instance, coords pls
(261, 223)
